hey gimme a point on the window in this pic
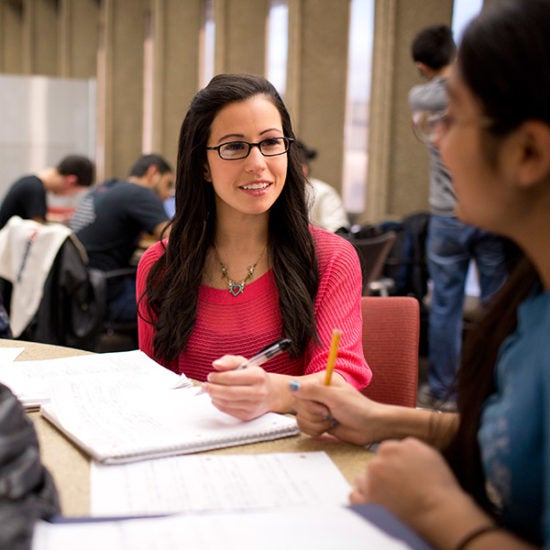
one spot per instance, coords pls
(207, 39)
(463, 11)
(277, 44)
(357, 105)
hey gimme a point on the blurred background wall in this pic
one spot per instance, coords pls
(117, 77)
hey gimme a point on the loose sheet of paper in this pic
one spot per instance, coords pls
(38, 382)
(217, 482)
(289, 529)
(9, 355)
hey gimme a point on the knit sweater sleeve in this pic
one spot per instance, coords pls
(338, 306)
(146, 320)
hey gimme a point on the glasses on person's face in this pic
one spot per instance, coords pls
(270, 147)
(430, 126)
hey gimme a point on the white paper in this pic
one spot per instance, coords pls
(9, 355)
(283, 529)
(123, 424)
(217, 482)
(36, 382)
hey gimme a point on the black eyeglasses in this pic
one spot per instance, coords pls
(236, 150)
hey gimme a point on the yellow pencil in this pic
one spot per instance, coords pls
(332, 355)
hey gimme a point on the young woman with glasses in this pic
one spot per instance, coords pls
(242, 267)
(493, 489)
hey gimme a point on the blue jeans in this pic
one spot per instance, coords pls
(451, 245)
(122, 305)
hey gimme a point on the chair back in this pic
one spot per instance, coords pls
(372, 252)
(391, 328)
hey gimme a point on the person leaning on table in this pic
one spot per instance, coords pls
(493, 491)
(242, 267)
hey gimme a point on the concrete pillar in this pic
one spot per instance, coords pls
(78, 38)
(11, 25)
(120, 85)
(40, 32)
(240, 36)
(398, 167)
(316, 80)
(176, 30)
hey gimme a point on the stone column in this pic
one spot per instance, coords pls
(11, 28)
(78, 38)
(120, 85)
(398, 168)
(176, 31)
(240, 36)
(316, 80)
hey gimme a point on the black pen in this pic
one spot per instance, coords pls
(267, 353)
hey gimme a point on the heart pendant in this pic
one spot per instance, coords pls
(236, 288)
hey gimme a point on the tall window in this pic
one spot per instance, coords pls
(148, 79)
(277, 44)
(357, 105)
(207, 44)
(463, 11)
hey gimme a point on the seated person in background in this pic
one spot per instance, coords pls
(493, 489)
(110, 220)
(242, 266)
(27, 199)
(326, 208)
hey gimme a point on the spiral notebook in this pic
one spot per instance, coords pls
(117, 425)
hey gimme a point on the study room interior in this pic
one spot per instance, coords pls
(113, 79)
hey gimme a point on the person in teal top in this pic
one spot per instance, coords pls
(515, 423)
(478, 478)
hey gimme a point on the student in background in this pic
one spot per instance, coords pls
(110, 220)
(493, 491)
(326, 208)
(242, 266)
(451, 243)
(27, 198)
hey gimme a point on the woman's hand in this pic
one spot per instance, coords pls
(245, 393)
(412, 480)
(338, 408)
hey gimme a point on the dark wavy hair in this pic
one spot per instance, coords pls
(434, 46)
(173, 282)
(504, 59)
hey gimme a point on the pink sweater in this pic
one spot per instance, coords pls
(245, 324)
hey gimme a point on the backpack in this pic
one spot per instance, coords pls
(27, 490)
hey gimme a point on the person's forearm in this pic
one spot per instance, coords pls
(394, 422)
(458, 522)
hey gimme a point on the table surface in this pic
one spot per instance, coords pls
(71, 468)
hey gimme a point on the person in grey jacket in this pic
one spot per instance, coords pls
(451, 244)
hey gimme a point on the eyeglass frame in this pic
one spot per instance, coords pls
(287, 141)
(441, 119)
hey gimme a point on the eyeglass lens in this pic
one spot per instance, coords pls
(425, 124)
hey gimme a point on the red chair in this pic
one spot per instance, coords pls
(391, 331)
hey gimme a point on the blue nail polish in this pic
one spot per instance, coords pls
(294, 385)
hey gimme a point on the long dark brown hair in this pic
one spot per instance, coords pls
(173, 281)
(504, 59)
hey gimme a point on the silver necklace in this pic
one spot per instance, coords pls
(237, 287)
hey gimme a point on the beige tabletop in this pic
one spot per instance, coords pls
(71, 468)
